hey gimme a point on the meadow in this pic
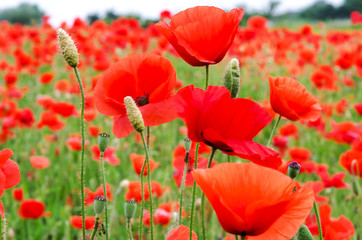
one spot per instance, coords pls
(40, 114)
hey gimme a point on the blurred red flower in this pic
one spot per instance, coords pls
(9, 171)
(76, 222)
(202, 35)
(137, 162)
(31, 209)
(181, 233)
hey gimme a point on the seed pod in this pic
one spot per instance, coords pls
(103, 141)
(187, 144)
(130, 208)
(232, 77)
(99, 204)
(68, 48)
(293, 169)
(134, 114)
(304, 233)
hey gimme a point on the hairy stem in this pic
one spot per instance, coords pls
(273, 131)
(104, 192)
(95, 228)
(194, 192)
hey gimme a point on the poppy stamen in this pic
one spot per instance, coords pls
(142, 100)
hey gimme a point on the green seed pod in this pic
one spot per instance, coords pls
(134, 114)
(103, 141)
(68, 48)
(187, 144)
(99, 204)
(232, 77)
(304, 233)
(130, 208)
(293, 169)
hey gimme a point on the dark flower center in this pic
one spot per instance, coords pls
(142, 100)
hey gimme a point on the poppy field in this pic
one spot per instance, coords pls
(190, 128)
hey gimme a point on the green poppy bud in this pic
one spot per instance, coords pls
(232, 77)
(103, 141)
(187, 144)
(134, 114)
(304, 233)
(355, 187)
(68, 48)
(130, 208)
(293, 169)
(99, 204)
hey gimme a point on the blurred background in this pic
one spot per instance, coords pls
(279, 12)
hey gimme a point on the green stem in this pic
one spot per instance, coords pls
(149, 182)
(194, 192)
(318, 220)
(273, 131)
(129, 228)
(82, 154)
(3, 228)
(207, 77)
(236, 237)
(182, 190)
(229, 158)
(148, 137)
(203, 198)
(104, 192)
(26, 229)
(143, 199)
(95, 228)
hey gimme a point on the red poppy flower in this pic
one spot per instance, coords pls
(202, 35)
(317, 188)
(181, 233)
(340, 228)
(39, 162)
(25, 117)
(292, 100)
(109, 155)
(344, 132)
(324, 78)
(335, 181)
(137, 162)
(49, 119)
(64, 109)
(31, 209)
(299, 154)
(76, 222)
(346, 160)
(18, 194)
(134, 191)
(289, 130)
(99, 191)
(149, 79)
(46, 78)
(9, 171)
(257, 22)
(226, 123)
(255, 201)
(74, 142)
(93, 131)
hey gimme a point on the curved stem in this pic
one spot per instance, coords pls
(104, 193)
(318, 220)
(95, 228)
(129, 229)
(82, 154)
(182, 190)
(207, 77)
(143, 199)
(203, 198)
(273, 131)
(194, 191)
(149, 182)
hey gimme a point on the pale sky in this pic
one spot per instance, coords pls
(67, 10)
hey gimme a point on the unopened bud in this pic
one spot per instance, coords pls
(130, 208)
(103, 141)
(293, 169)
(304, 233)
(355, 187)
(354, 167)
(68, 48)
(187, 144)
(99, 204)
(232, 77)
(134, 114)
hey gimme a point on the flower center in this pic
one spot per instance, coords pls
(142, 100)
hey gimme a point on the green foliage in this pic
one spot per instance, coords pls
(25, 13)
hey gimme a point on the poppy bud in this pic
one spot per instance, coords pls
(130, 208)
(232, 77)
(187, 144)
(304, 233)
(354, 167)
(103, 141)
(134, 114)
(355, 187)
(293, 169)
(99, 204)
(68, 48)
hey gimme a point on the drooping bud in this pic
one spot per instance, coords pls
(354, 167)
(232, 77)
(134, 114)
(130, 208)
(68, 48)
(99, 204)
(304, 233)
(293, 169)
(187, 144)
(103, 141)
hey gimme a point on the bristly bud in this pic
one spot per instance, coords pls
(134, 114)
(99, 204)
(293, 169)
(130, 208)
(304, 233)
(103, 141)
(232, 77)
(187, 144)
(68, 48)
